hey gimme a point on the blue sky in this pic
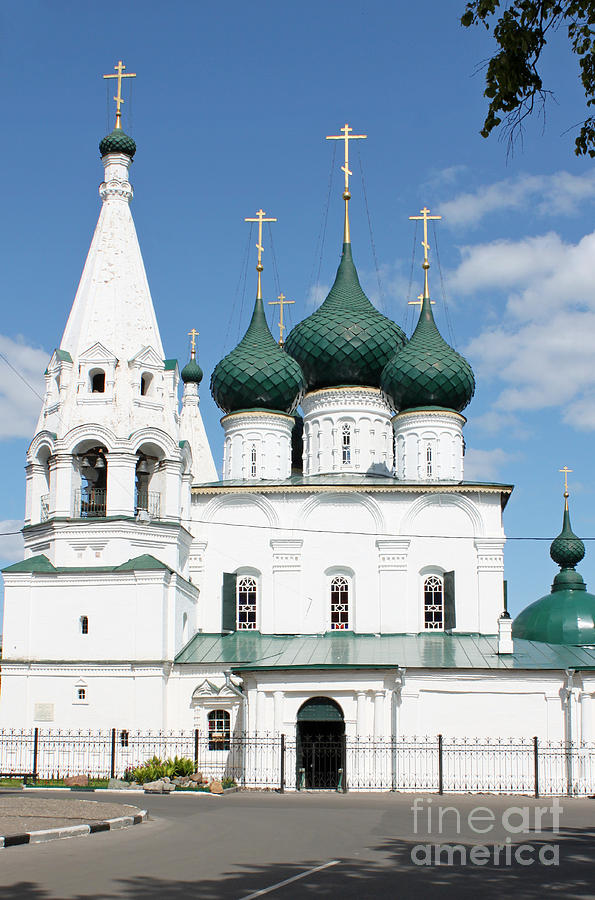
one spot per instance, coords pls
(229, 111)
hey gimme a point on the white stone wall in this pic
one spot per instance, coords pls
(429, 445)
(257, 446)
(347, 430)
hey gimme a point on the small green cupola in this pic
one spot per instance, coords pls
(346, 342)
(117, 142)
(258, 373)
(192, 372)
(427, 372)
(567, 614)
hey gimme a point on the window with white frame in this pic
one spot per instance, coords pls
(246, 593)
(219, 722)
(253, 461)
(84, 620)
(81, 693)
(429, 467)
(346, 444)
(433, 603)
(339, 603)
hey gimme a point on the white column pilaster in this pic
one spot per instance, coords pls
(286, 611)
(392, 585)
(278, 699)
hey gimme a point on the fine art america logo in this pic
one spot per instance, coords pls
(502, 830)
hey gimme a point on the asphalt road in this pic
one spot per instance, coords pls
(325, 845)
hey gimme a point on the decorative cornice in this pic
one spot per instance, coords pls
(345, 398)
(413, 415)
(113, 188)
(390, 487)
(257, 417)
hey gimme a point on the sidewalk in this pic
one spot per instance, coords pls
(25, 815)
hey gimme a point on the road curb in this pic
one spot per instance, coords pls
(57, 834)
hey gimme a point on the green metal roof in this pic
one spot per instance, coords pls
(117, 142)
(63, 355)
(170, 364)
(427, 371)
(250, 650)
(41, 564)
(346, 341)
(257, 373)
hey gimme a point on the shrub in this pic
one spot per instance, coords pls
(157, 768)
(228, 782)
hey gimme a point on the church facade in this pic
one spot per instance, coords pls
(341, 571)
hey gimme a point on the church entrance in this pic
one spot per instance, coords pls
(320, 745)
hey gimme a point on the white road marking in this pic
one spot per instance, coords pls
(273, 887)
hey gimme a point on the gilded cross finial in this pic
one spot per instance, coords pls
(193, 335)
(281, 302)
(419, 301)
(425, 217)
(565, 470)
(260, 218)
(120, 74)
(346, 136)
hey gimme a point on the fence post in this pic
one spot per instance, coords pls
(440, 766)
(536, 764)
(113, 759)
(344, 762)
(282, 767)
(35, 751)
(196, 749)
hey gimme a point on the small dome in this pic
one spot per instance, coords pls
(567, 614)
(346, 341)
(257, 374)
(117, 142)
(191, 372)
(427, 371)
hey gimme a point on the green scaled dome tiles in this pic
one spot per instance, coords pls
(567, 614)
(117, 142)
(191, 372)
(346, 341)
(257, 374)
(427, 371)
(567, 549)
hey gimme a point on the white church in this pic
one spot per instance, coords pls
(341, 574)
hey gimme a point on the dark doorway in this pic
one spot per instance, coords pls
(320, 757)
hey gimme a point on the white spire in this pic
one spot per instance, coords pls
(113, 305)
(192, 430)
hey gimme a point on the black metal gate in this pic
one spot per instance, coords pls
(320, 757)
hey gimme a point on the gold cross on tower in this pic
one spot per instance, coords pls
(566, 470)
(425, 217)
(193, 335)
(120, 74)
(346, 136)
(281, 302)
(260, 218)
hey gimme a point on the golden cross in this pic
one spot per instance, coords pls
(260, 218)
(346, 136)
(419, 301)
(120, 74)
(566, 470)
(281, 302)
(425, 217)
(193, 335)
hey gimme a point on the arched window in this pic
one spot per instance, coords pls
(429, 460)
(434, 603)
(219, 729)
(253, 461)
(84, 624)
(98, 382)
(81, 693)
(145, 383)
(246, 588)
(339, 603)
(346, 444)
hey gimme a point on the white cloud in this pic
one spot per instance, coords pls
(317, 294)
(484, 465)
(558, 194)
(11, 545)
(20, 394)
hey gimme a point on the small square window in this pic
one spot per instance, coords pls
(81, 693)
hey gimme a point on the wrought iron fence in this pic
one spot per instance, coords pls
(90, 504)
(148, 502)
(278, 762)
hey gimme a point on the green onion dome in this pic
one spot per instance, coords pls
(427, 371)
(257, 373)
(191, 372)
(567, 614)
(346, 341)
(117, 142)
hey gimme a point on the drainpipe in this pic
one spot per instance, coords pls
(244, 701)
(399, 680)
(568, 691)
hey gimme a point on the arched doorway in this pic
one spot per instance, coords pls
(320, 745)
